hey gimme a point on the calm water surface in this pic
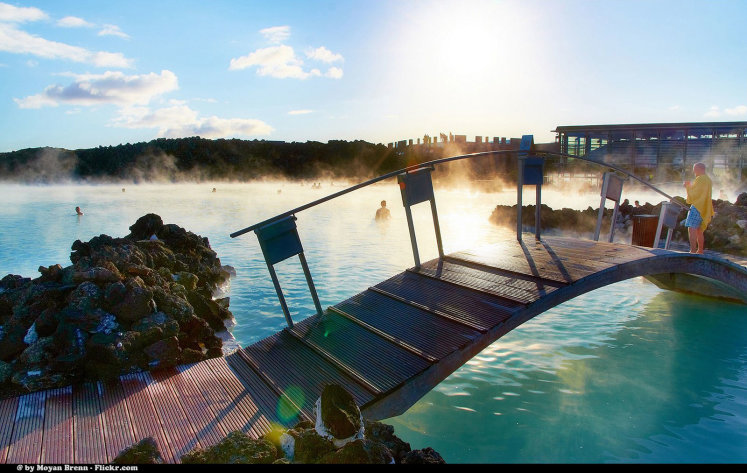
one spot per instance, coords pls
(627, 373)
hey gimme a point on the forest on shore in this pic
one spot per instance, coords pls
(200, 159)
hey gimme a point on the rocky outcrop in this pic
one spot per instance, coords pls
(339, 436)
(125, 304)
(144, 452)
(237, 447)
(727, 232)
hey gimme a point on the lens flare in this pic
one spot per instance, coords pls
(287, 408)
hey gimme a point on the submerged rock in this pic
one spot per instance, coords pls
(121, 306)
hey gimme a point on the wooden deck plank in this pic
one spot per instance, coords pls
(481, 281)
(295, 367)
(144, 416)
(57, 442)
(8, 409)
(26, 442)
(117, 422)
(264, 395)
(247, 401)
(88, 428)
(481, 311)
(380, 362)
(181, 435)
(223, 405)
(428, 333)
(220, 405)
(195, 407)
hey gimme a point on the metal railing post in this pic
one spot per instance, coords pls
(417, 187)
(611, 189)
(279, 240)
(530, 172)
(667, 218)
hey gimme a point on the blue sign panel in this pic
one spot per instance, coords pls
(279, 240)
(533, 171)
(416, 186)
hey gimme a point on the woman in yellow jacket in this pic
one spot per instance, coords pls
(701, 207)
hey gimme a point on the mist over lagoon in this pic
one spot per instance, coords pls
(575, 384)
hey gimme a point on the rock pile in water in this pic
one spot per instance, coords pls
(339, 436)
(727, 232)
(125, 304)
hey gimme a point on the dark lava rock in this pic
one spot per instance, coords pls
(426, 456)
(145, 226)
(360, 451)
(237, 447)
(121, 306)
(340, 416)
(384, 434)
(144, 452)
(310, 443)
(305, 445)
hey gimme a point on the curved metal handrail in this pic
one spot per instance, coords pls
(414, 167)
(430, 164)
(611, 166)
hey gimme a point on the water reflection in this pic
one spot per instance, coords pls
(660, 381)
(625, 373)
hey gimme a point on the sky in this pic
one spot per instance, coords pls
(87, 73)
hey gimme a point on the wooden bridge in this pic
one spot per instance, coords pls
(388, 346)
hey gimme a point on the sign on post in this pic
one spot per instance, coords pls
(279, 241)
(531, 173)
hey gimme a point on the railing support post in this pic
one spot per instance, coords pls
(530, 172)
(279, 240)
(667, 218)
(611, 189)
(417, 187)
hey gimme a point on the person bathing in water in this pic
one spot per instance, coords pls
(382, 213)
(78, 211)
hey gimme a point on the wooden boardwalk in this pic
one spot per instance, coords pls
(388, 346)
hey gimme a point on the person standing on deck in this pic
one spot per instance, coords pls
(701, 207)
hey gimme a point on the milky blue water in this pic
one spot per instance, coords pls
(627, 373)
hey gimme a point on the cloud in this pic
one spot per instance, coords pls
(13, 14)
(73, 22)
(108, 88)
(713, 112)
(280, 62)
(300, 112)
(276, 34)
(323, 54)
(180, 121)
(113, 30)
(275, 61)
(16, 41)
(334, 73)
(738, 110)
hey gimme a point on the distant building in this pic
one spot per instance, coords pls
(677, 146)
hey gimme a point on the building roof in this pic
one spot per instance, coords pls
(648, 126)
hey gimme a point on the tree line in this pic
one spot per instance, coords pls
(200, 158)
